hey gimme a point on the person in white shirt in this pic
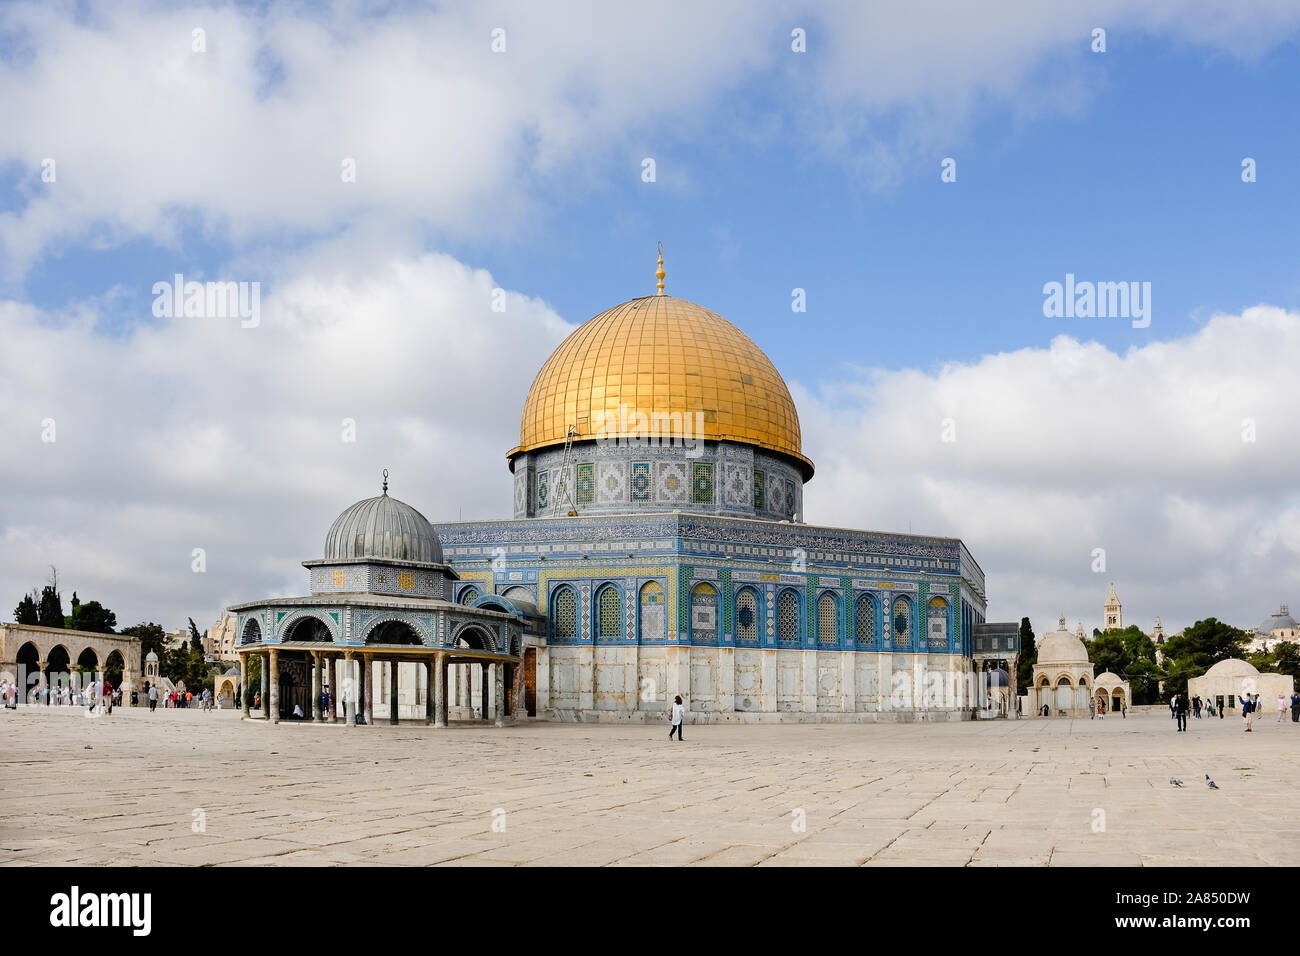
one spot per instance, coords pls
(678, 717)
(1281, 707)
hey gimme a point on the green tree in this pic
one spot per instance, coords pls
(92, 616)
(1284, 658)
(27, 611)
(1028, 655)
(152, 638)
(196, 639)
(1130, 654)
(1201, 646)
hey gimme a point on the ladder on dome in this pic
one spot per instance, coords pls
(564, 468)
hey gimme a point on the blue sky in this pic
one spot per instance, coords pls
(775, 171)
(1143, 183)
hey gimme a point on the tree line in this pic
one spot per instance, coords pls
(184, 662)
(1156, 672)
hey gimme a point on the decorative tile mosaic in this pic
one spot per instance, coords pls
(702, 483)
(586, 484)
(736, 484)
(611, 483)
(641, 481)
(671, 484)
(776, 495)
(758, 490)
(543, 490)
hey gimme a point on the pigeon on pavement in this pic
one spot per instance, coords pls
(1210, 783)
(1175, 781)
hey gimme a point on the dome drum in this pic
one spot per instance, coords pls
(620, 477)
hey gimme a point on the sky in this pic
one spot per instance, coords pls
(380, 169)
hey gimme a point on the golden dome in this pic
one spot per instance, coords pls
(660, 355)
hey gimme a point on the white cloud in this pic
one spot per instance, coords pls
(246, 140)
(1074, 447)
(195, 433)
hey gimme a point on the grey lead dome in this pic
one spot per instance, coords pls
(383, 527)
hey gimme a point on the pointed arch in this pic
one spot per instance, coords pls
(563, 617)
(704, 614)
(746, 615)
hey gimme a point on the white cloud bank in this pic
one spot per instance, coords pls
(247, 139)
(1063, 450)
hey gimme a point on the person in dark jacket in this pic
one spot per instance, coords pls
(1180, 711)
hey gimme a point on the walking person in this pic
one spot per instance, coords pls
(677, 717)
(1295, 707)
(1281, 708)
(1180, 711)
(153, 697)
(1247, 710)
(1092, 709)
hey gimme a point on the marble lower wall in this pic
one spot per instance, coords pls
(752, 684)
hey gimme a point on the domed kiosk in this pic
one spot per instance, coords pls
(1063, 681)
(658, 548)
(380, 606)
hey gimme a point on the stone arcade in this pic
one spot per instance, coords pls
(637, 566)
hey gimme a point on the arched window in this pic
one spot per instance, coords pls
(704, 614)
(469, 595)
(746, 616)
(901, 620)
(864, 621)
(653, 611)
(787, 618)
(937, 619)
(609, 613)
(828, 624)
(564, 614)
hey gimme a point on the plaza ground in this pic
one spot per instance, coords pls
(133, 787)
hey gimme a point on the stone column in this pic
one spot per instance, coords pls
(316, 713)
(336, 686)
(483, 687)
(266, 686)
(243, 686)
(354, 693)
(428, 690)
(393, 667)
(500, 687)
(368, 687)
(440, 691)
(275, 686)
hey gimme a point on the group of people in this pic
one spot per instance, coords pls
(1179, 706)
(1097, 708)
(94, 694)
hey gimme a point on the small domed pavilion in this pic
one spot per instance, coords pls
(379, 601)
(1062, 676)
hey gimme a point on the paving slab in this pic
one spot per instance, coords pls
(186, 788)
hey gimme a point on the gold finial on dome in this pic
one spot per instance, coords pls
(385, 481)
(659, 273)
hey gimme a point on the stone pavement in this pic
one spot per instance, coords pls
(134, 787)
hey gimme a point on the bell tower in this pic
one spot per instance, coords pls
(1114, 612)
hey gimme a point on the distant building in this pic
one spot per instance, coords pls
(1113, 611)
(219, 644)
(1227, 681)
(1280, 626)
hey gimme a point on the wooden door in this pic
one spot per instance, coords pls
(530, 681)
